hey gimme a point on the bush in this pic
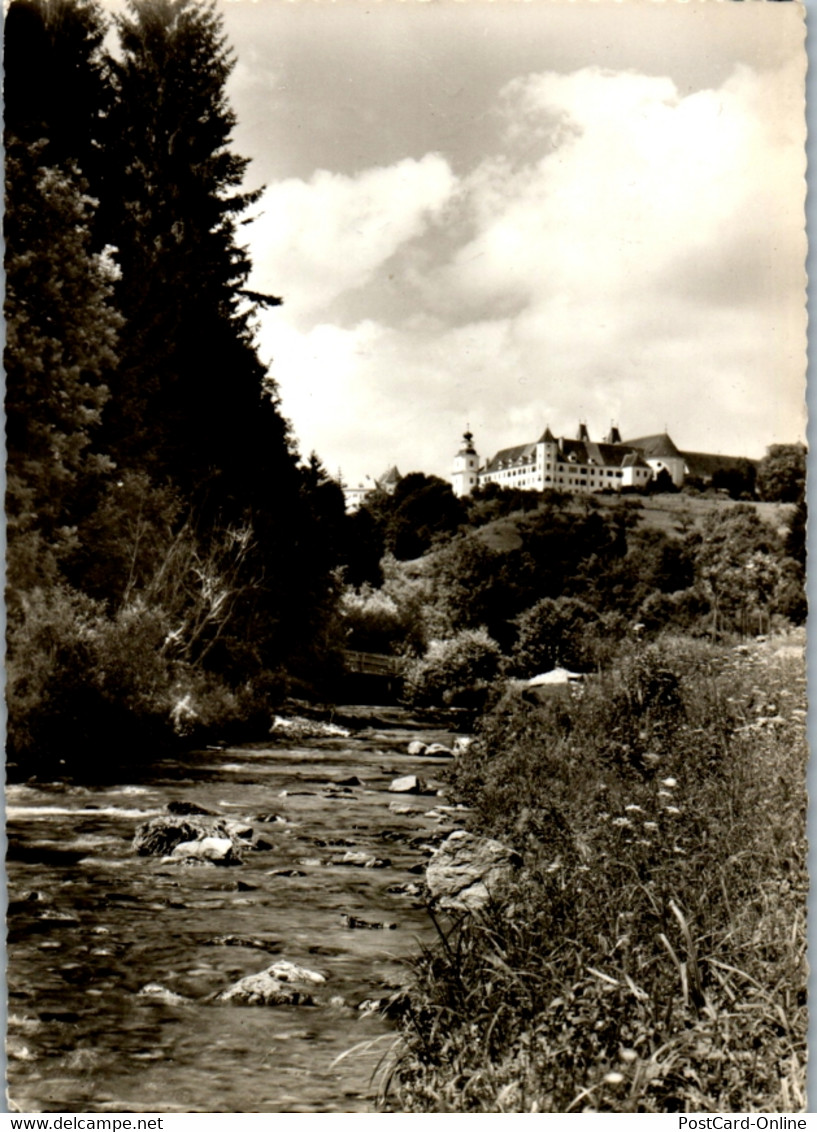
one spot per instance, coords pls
(456, 672)
(651, 955)
(371, 620)
(87, 691)
(551, 634)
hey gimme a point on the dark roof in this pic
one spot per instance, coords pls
(547, 437)
(507, 456)
(653, 446)
(705, 465)
(391, 475)
(468, 445)
(591, 452)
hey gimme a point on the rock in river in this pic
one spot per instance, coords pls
(438, 751)
(220, 850)
(360, 860)
(160, 836)
(408, 784)
(466, 870)
(282, 984)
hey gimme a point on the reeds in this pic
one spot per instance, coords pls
(651, 955)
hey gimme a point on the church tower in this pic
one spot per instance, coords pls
(464, 476)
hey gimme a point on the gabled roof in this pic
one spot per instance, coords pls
(508, 456)
(391, 475)
(596, 453)
(661, 444)
(547, 437)
(704, 465)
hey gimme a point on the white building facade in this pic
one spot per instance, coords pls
(581, 465)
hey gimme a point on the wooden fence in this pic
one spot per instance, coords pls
(370, 663)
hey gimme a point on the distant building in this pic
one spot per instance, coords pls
(355, 496)
(584, 465)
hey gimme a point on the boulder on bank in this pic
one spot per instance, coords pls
(415, 748)
(466, 870)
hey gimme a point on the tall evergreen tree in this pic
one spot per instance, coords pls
(60, 324)
(56, 90)
(190, 401)
(192, 404)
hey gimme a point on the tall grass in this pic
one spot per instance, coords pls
(651, 955)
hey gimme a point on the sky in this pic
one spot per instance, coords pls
(516, 214)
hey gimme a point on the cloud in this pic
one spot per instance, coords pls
(630, 252)
(315, 240)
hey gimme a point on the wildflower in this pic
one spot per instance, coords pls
(671, 810)
(651, 759)
(651, 825)
(664, 794)
(613, 1078)
(670, 782)
(603, 817)
(621, 821)
(634, 807)
(627, 1054)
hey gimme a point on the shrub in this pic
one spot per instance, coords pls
(552, 633)
(372, 621)
(456, 672)
(86, 690)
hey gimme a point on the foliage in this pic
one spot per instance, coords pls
(781, 474)
(456, 672)
(651, 955)
(737, 566)
(60, 352)
(491, 501)
(795, 541)
(372, 621)
(56, 89)
(553, 633)
(739, 480)
(421, 510)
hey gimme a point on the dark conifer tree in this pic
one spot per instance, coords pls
(60, 323)
(192, 404)
(191, 401)
(56, 91)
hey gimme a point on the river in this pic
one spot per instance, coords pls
(91, 924)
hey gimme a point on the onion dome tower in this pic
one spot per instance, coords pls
(465, 473)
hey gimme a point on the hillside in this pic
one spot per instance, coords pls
(672, 514)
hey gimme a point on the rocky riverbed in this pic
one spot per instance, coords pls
(243, 964)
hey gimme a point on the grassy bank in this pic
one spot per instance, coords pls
(650, 956)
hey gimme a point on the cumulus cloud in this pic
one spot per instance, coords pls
(631, 252)
(320, 238)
